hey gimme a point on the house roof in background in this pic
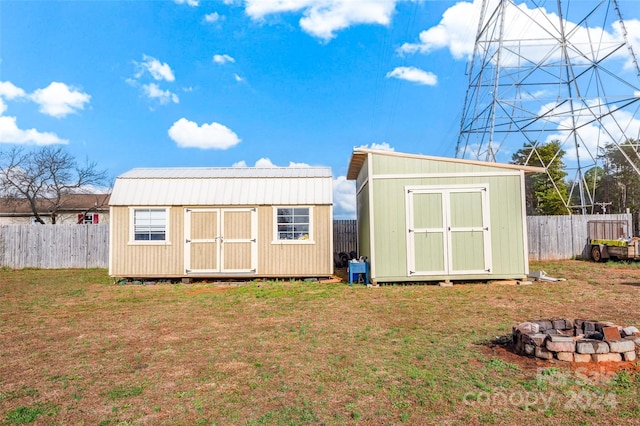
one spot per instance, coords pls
(69, 203)
(359, 156)
(225, 186)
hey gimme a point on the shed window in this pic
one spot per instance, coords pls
(150, 224)
(293, 224)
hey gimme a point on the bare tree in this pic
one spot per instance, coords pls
(44, 176)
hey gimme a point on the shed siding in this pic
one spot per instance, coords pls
(274, 260)
(299, 260)
(364, 223)
(165, 260)
(363, 213)
(389, 215)
(508, 229)
(390, 165)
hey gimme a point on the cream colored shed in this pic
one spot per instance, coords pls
(222, 223)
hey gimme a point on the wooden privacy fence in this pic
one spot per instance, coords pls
(87, 246)
(564, 237)
(345, 236)
(54, 246)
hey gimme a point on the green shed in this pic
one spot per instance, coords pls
(423, 218)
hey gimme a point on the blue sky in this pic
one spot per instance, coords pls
(237, 82)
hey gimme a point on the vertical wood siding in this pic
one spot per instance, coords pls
(278, 259)
(147, 260)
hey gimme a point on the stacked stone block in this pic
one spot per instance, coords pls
(576, 340)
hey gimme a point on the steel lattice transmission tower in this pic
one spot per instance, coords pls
(552, 70)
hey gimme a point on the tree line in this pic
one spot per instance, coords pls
(613, 187)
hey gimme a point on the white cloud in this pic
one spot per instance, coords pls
(414, 75)
(322, 18)
(59, 100)
(267, 163)
(188, 134)
(298, 165)
(454, 31)
(157, 69)
(530, 33)
(264, 163)
(3, 106)
(212, 17)
(9, 91)
(344, 198)
(192, 3)
(614, 127)
(632, 27)
(384, 146)
(10, 133)
(222, 59)
(238, 78)
(153, 91)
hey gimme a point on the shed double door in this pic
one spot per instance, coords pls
(448, 230)
(220, 241)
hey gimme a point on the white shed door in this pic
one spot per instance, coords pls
(220, 240)
(448, 230)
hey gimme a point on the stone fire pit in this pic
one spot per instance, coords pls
(576, 340)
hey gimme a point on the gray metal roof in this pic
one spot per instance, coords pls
(228, 186)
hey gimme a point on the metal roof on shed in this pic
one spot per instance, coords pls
(223, 186)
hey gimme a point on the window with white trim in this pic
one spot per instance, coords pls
(293, 224)
(149, 224)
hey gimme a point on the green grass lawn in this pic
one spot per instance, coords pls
(76, 348)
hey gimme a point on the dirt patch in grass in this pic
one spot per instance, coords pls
(77, 348)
